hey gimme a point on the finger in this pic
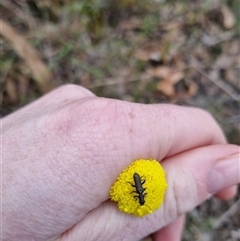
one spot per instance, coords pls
(227, 193)
(171, 232)
(189, 184)
(97, 221)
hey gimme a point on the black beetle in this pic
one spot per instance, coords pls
(139, 188)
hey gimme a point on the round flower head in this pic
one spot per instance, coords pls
(140, 188)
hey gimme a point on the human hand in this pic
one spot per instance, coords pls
(62, 153)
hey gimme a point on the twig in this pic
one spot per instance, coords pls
(31, 57)
(233, 209)
(213, 77)
(120, 80)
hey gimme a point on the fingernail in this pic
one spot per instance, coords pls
(225, 173)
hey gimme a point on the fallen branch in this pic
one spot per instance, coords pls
(24, 50)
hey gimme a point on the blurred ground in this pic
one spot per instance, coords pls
(182, 52)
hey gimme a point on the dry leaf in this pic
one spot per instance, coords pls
(160, 72)
(168, 79)
(228, 17)
(174, 77)
(167, 85)
(166, 73)
(150, 51)
(192, 88)
(31, 57)
(166, 88)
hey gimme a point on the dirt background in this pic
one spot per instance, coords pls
(157, 51)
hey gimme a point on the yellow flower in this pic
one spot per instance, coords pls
(143, 193)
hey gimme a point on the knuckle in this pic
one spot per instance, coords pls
(70, 92)
(181, 198)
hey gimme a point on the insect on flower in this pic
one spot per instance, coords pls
(139, 188)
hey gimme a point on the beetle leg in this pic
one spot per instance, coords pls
(135, 197)
(132, 184)
(134, 192)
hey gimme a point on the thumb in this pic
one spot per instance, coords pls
(196, 175)
(192, 176)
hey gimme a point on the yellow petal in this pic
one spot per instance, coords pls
(152, 178)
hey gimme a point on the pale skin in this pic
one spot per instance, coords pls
(62, 153)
